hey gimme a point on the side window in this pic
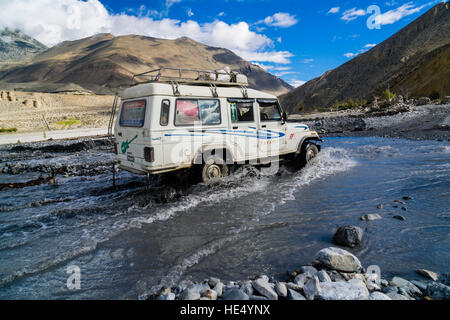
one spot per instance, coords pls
(186, 112)
(189, 111)
(269, 112)
(133, 114)
(210, 112)
(165, 110)
(242, 112)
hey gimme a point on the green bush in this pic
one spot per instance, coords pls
(350, 104)
(385, 95)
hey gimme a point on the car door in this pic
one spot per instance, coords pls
(271, 130)
(243, 132)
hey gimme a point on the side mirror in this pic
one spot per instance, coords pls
(284, 117)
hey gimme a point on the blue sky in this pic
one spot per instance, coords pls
(296, 40)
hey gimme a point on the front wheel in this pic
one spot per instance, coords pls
(214, 168)
(308, 154)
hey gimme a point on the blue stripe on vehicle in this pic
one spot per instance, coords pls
(303, 127)
(267, 135)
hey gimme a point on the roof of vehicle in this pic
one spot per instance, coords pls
(167, 89)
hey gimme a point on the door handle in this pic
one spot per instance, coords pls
(264, 126)
(234, 128)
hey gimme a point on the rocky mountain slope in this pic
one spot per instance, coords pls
(16, 46)
(415, 62)
(104, 62)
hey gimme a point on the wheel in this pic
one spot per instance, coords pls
(308, 153)
(214, 168)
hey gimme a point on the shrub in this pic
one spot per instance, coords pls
(9, 130)
(385, 95)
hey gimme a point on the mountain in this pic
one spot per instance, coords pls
(17, 46)
(105, 62)
(415, 62)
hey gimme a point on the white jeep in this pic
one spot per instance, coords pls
(168, 125)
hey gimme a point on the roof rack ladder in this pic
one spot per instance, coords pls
(113, 114)
(176, 92)
(244, 92)
(214, 90)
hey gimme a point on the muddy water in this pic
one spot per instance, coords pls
(128, 240)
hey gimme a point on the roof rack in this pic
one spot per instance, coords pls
(187, 76)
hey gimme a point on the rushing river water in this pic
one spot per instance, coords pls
(127, 240)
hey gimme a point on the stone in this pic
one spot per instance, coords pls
(258, 298)
(308, 269)
(281, 289)
(210, 294)
(384, 282)
(294, 295)
(371, 217)
(183, 285)
(247, 288)
(438, 291)
(349, 236)
(421, 285)
(28, 103)
(338, 259)
(446, 100)
(4, 95)
(342, 291)
(428, 274)
(401, 218)
(389, 289)
(423, 101)
(213, 282)
(167, 297)
(301, 279)
(406, 198)
(293, 286)
(405, 284)
(378, 296)
(405, 208)
(311, 288)
(323, 276)
(396, 296)
(235, 294)
(190, 294)
(335, 276)
(380, 206)
(264, 288)
(372, 286)
(36, 104)
(219, 289)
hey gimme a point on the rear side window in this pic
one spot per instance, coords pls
(165, 110)
(189, 111)
(133, 114)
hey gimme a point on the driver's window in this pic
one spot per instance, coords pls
(269, 112)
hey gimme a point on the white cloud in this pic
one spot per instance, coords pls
(350, 55)
(334, 10)
(75, 19)
(308, 60)
(280, 19)
(353, 14)
(392, 16)
(370, 45)
(296, 83)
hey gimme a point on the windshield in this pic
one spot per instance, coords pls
(133, 114)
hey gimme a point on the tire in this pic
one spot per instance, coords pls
(214, 168)
(309, 152)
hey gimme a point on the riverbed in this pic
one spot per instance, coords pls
(128, 240)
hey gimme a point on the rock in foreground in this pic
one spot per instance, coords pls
(338, 259)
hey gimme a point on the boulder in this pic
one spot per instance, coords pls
(423, 101)
(323, 276)
(281, 289)
(406, 285)
(210, 294)
(235, 294)
(247, 288)
(371, 217)
(378, 296)
(401, 218)
(4, 95)
(190, 294)
(213, 282)
(438, 291)
(167, 297)
(338, 259)
(219, 288)
(28, 103)
(265, 289)
(301, 279)
(349, 236)
(342, 291)
(308, 269)
(397, 296)
(294, 295)
(293, 286)
(428, 274)
(311, 288)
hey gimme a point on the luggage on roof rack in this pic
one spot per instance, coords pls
(224, 77)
